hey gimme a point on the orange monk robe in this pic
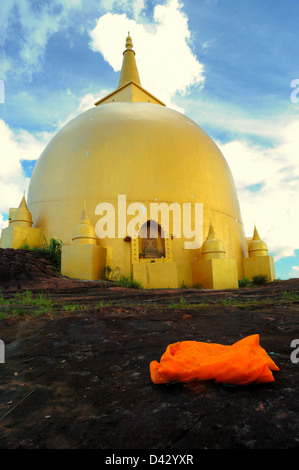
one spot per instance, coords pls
(242, 363)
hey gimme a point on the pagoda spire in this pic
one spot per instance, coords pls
(212, 247)
(257, 247)
(84, 232)
(129, 88)
(129, 70)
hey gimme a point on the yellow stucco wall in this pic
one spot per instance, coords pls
(17, 236)
(83, 261)
(215, 274)
(259, 265)
(156, 274)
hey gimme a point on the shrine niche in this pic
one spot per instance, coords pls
(151, 240)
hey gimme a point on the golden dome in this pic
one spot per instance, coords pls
(22, 216)
(257, 247)
(213, 247)
(145, 151)
(84, 232)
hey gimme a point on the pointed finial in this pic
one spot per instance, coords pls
(84, 217)
(212, 233)
(129, 42)
(256, 235)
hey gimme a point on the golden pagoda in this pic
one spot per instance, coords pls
(131, 148)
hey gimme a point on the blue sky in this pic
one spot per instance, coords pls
(227, 64)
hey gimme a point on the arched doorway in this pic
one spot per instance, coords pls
(151, 240)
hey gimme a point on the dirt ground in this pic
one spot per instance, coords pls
(77, 376)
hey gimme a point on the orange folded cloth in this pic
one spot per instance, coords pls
(242, 363)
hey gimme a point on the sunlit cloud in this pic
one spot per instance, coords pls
(165, 61)
(294, 273)
(267, 184)
(15, 147)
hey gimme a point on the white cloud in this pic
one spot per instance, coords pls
(133, 8)
(37, 21)
(165, 61)
(294, 272)
(3, 223)
(15, 147)
(274, 204)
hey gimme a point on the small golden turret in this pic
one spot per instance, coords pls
(22, 216)
(213, 247)
(257, 247)
(84, 232)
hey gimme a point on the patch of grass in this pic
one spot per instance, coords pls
(184, 285)
(3, 301)
(24, 298)
(27, 298)
(110, 274)
(19, 311)
(174, 305)
(51, 251)
(259, 280)
(125, 281)
(71, 307)
(290, 296)
(103, 303)
(227, 302)
(202, 304)
(181, 303)
(114, 274)
(245, 282)
(197, 286)
(43, 310)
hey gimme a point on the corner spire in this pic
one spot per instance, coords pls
(129, 70)
(22, 216)
(257, 247)
(84, 232)
(213, 248)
